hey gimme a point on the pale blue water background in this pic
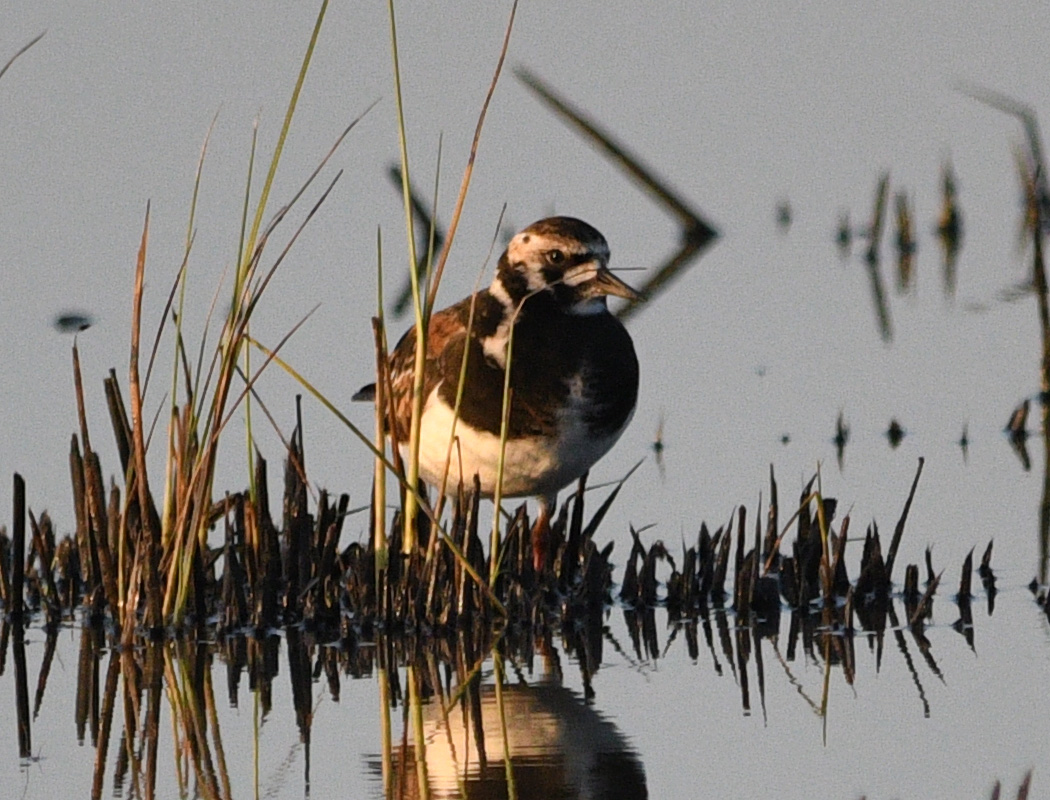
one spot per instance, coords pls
(739, 109)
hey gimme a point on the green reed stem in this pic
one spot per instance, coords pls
(379, 501)
(408, 544)
(504, 431)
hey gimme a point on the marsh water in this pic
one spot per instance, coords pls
(748, 360)
(933, 718)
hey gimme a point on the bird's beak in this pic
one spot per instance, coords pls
(605, 283)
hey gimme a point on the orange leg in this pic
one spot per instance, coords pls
(541, 536)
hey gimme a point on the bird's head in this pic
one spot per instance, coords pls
(565, 257)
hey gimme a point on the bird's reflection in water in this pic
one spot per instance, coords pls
(559, 745)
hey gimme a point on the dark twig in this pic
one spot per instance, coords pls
(696, 232)
(21, 50)
(899, 530)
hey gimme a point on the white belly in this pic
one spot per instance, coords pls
(532, 466)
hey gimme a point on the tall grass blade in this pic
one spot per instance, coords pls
(381, 404)
(469, 170)
(408, 541)
(149, 537)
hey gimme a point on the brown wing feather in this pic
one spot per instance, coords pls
(445, 326)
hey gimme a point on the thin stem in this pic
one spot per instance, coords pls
(408, 544)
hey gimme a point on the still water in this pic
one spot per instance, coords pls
(907, 715)
(748, 361)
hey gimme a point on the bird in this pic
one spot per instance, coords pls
(573, 372)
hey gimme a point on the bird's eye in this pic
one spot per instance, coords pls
(555, 257)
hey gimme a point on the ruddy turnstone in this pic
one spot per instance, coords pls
(573, 381)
